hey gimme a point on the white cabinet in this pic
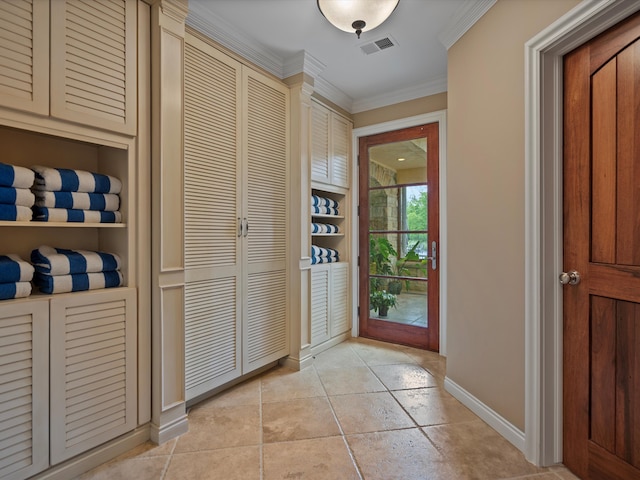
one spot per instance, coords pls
(72, 60)
(330, 146)
(329, 302)
(68, 374)
(236, 157)
(24, 397)
(93, 369)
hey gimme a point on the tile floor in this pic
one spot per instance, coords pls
(365, 410)
(411, 308)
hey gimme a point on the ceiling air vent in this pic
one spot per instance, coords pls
(378, 45)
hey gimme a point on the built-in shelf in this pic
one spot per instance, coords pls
(327, 234)
(324, 215)
(5, 223)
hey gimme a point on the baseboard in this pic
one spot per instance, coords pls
(297, 363)
(495, 421)
(96, 457)
(169, 430)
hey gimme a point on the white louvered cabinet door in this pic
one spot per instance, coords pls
(320, 167)
(340, 150)
(24, 396)
(24, 63)
(266, 127)
(212, 212)
(93, 369)
(339, 322)
(320, 294)
(93, 63)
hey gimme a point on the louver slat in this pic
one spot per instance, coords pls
(340, 137)
(266, 171)
(319, 305)
(24, 62)
(25, 397)
(92, 370)
(93, 69)
(339, 298)
(211, 334)
(320, 143)
(211, 161)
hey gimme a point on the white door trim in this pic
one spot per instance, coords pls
(441, 117)
(543, 217)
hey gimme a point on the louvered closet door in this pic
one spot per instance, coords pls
(24, 63)
(212, 209)
(93, 63)
(266, 127)
(320, 169)
(320, 285)
(24, 397)
(340, 140)
(93, 369)
(339, 298)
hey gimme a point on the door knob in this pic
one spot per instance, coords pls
(571, 278)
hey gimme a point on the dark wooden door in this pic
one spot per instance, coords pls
(396, 184)
(602, 243)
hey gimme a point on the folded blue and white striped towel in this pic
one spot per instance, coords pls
(324, 210)
(14, 290)
(14, 176)
(319, 260)
(14, 269)
(77, 282)
(109, 202)
(17, 196)
(323, 228)
(45, 214)
(15, 213)
(318, 201)
(65, 180)
(323, 252)
(60, 261)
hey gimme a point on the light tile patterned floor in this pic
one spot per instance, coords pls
(366, 410)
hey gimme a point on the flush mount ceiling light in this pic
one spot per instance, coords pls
(357, 15)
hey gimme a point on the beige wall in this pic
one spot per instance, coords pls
(485, 201)
(419, 106)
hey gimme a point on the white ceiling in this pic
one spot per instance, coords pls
(289, 36)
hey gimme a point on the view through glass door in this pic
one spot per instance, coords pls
(399, 281)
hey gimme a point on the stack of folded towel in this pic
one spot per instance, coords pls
(323, 228)
(323, 206)
(323, 255)
(64, 195)
(59, 271)
(15, 277)
(16, 199)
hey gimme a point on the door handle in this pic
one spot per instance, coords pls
(246, 227)
(571, 278)
(239, 227)
(434, 255)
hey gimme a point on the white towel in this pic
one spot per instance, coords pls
(14, 176)
(16, 213)
(66, 180)
(108, 202)
(59, 261)
(14, 269)
(45, 214)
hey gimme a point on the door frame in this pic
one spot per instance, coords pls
(439, 116)
(544, 219)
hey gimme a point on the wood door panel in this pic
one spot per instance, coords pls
(603, 164)
(602, 242)
(628, 211)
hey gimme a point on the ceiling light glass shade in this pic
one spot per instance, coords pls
(348, 15)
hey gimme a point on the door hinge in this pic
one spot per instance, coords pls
(358, 159)
(358, 260)
(358, 310)
(358, 210)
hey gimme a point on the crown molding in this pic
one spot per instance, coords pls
(302, 62)
(465, 17)
(432, 87)
(226, 35)
(333, 93)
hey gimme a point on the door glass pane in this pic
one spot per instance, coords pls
(398, 232)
